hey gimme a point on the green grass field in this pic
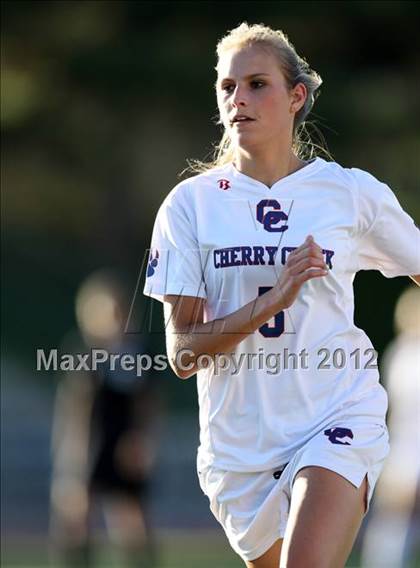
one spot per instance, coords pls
(177, 549)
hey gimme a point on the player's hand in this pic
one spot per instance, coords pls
(304, 263)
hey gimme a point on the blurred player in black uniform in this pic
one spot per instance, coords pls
(105, 434)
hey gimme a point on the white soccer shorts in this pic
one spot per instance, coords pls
(253, 508)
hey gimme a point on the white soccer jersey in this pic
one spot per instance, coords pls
(225, 237)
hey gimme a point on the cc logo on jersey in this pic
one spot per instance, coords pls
(271, 218)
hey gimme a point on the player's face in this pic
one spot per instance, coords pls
(250, 83)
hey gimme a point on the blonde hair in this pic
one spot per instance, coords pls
(295, 69)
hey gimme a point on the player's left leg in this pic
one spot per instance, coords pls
(325, 515)
(128, 528)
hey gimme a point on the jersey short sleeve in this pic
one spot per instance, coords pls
(174, 263)
(388, 239)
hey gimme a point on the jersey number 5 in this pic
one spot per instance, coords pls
(271, 330)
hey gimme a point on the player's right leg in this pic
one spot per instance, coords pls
(70, 542)
(270, 559)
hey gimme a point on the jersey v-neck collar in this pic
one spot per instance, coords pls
(298, 175)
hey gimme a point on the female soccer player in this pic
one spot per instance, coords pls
(254, 259)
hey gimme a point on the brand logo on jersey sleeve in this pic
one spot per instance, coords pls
(223, 184)
(153, 262)
(338, 435)
(270, 215)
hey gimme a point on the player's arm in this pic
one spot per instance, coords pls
(416, 279)
(184, 325)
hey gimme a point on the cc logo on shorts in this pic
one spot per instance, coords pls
(336, 435)
(271, 218)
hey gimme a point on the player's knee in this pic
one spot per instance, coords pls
(306, 556)
(299, 562)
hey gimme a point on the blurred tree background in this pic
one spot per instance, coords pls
(103, 101)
